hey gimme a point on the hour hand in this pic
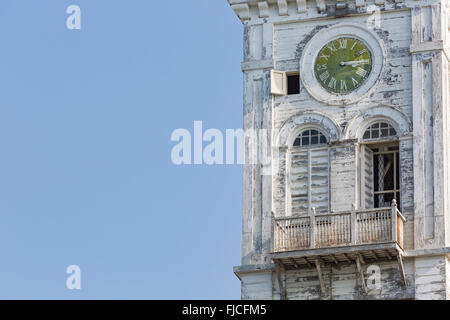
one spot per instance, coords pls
(354, 63)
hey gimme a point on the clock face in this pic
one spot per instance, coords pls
(343, 65)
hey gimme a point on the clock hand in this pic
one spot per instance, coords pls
(353, 63)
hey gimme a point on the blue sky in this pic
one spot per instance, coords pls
(86, 176)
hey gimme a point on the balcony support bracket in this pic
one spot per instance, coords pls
(278, 269)
(360, 273)
(401, 268)
(319, 272)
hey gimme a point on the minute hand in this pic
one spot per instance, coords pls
(354, 63)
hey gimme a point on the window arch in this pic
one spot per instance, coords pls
(310, 137)
(379, 130)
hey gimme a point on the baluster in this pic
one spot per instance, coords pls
(362, 227)
(312, 226)
(292, 234)
(337, 228)
(303, 234)
(378, 225)
(341, 225)
(361, 221)
(380, 215)
(349, 230)
(368, 227)
(371, 225)
(330, 233)
(381, 226)
(300, 235)
(365, 227)
(353, 226)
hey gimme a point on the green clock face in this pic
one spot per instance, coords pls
(343, 65)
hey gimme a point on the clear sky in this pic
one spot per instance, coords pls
(86, 176)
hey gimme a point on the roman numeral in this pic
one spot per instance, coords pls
(324, 56)
(332, 47)
(343, 43)
(332, 84)
(361, 72)
(359, 53)
(343, 85)
(322, 67)
(354, 44)
(355, 83)
(324, 76)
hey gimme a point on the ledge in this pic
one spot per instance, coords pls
(251, 268)
(427, 252)
(257, 65)
(429, 46)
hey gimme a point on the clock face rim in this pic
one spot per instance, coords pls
(326, 45)
(328, 34)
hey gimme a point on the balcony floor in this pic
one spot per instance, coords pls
(346, 254)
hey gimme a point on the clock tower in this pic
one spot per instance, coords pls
(349, 195)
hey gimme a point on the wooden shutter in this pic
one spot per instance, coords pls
(278, 83)
(299, 177)
(319, 179)
(309, 178)
(367, 186)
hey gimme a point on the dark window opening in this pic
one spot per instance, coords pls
(293, 84)
(386, 170)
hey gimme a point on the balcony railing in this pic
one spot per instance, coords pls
(361, 227)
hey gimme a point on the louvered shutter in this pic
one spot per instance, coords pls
(319, 174)
(367, 182)
(309, 178)
(299, 177)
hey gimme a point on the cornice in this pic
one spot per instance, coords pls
(249, 10)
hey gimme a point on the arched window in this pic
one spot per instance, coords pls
(308, 172)
(379, 130)
(380, 166)
(310, 137)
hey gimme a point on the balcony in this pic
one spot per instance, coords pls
(363, 235)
